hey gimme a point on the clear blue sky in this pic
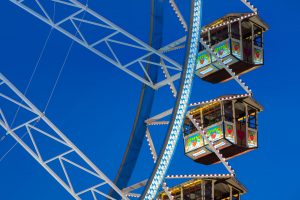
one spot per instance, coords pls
(95, 103)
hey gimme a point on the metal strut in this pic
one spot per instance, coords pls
(166, 189)
(180, 107)
(249, 5)
(151, 145)
(71, 156)
(111, 41)
(178, 14)
(139, 127)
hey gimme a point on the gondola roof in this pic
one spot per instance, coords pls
(255, 18)
(245, 97)
(230, 180)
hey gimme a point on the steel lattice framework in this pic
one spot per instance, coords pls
(116, 37)
(178, 116)
(50, 131)
(82, 14)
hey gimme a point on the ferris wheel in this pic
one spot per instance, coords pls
(213, 131)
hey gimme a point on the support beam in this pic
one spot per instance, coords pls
(181, 104)
(166, 189)
(134, 186)
(112, 56)
(178, 14)
(151, 145)
(147, 95)
(249, 5)
(41, 125)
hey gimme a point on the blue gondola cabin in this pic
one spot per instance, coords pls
(230, 122)
(239, 44)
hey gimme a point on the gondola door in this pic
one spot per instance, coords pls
(240, 121)
(247, 41)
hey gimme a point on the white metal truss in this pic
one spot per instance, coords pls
(159, 116)
(128, 191)
(134, 195)
(68, 159)
(178, 14)
(166, 189)
(168, 77)
(156, 123)
(177, 44)
(151, 145)
(249, 5)
(112, 57)
(211, 144)
(111, 41)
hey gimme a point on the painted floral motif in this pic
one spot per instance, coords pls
(214, 133)
(193, 142)
(236, 49)
(252, 138)
(222, 49)
(258, 56)
(203, 60)
(230, 133)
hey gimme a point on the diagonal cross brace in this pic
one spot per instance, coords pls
(60, 137)
(100, 21)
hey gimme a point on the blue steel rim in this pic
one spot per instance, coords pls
(145, 103)
(179, 111)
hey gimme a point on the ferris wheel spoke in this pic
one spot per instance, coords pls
(44, 135)
(177, 44)
(168, 81)
(166, 189)
(151, 145)
(180, 108)
(178, 14)
(133, 195)
(135, 186)
(249, 5)
(116, 38)
(167, 75)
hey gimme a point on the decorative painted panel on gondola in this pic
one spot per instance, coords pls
(236, 48)
(229, 132)
(203, 59)
(221, 49)
(193, 142)
(258, 55)
(252, 138)
(214, 133)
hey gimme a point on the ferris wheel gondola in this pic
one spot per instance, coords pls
(239, 44)
(221, 51)
(231, 124)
